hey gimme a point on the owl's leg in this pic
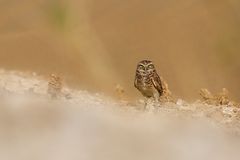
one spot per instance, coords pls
(146, 103)
(149, 104)
(156, 99)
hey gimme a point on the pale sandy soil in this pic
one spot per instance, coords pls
(79, 125)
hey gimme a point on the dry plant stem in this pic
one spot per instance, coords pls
(221, 98)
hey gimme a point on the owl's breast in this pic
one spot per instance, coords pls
(147, 81)
(148, 91)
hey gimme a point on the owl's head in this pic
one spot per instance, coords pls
(145, 67)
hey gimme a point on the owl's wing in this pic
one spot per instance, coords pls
(137, 76)
(157, 83)
(135, 83)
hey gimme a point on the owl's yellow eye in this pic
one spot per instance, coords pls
(150, 66)
(141, 67)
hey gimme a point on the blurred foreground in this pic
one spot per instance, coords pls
(81, 125)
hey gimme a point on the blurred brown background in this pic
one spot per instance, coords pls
(96, 44)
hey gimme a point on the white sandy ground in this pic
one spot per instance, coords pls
(83, 126)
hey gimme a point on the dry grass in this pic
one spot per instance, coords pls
(221, 98)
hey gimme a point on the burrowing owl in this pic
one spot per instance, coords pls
(147, 80)
(54, 86)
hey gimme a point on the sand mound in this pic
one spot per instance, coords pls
(81, 125)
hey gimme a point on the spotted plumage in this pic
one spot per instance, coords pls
(147, 81)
